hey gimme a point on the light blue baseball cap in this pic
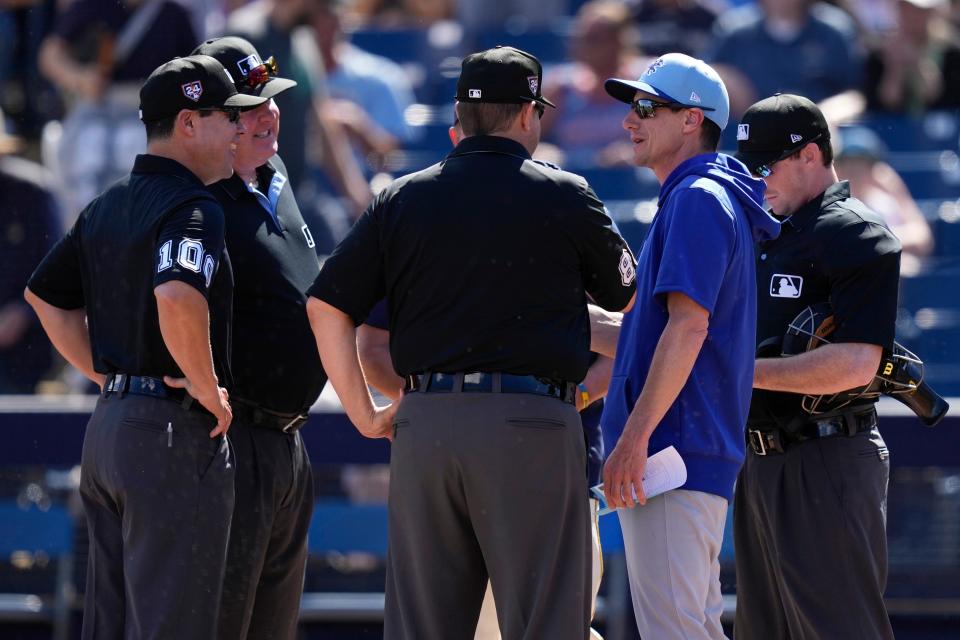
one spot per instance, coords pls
(678, 78)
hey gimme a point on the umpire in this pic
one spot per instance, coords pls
(810, 503)
(486, 260)
(137, 296)
(277, 373)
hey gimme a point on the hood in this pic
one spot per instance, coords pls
(733, 174)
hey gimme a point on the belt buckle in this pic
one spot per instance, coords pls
(757, 442)
(293, 425)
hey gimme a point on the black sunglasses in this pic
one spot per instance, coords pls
(232, 113)
(647, 108)
(765, 170)
(540, 109)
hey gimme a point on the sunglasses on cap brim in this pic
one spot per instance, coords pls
(262, 73)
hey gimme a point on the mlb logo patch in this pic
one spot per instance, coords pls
(794, 138)
(248, 63)
(474, 93)
(783, 285)
(193, 90)
(534, 83)
(743, 132)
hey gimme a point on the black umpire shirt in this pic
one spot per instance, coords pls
(485, 260)
(836, 250)
(156, 225)
(275, 360)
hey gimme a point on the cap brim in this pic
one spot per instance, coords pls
(543, 100)
(625, 90)
(753, 159)
(244, 101)
(273, 87)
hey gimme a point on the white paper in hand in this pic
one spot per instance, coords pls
(665, 471)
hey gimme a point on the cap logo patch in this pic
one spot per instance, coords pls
(534, 83)
(743, 132)
(652, 69)
(627, 270)
(193, 90)
(248, 63)
(474, 93)
(783, 285)
(694, 97)
(794, 138)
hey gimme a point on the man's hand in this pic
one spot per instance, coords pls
(215, 400)
(380, 424)
(624, 469)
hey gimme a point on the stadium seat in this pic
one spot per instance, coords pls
(31, 538)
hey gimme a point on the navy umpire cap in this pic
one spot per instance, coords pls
(502, 75)
(777, 127)
(194, 82)
(251, 74)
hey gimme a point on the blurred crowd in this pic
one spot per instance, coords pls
(70, 72)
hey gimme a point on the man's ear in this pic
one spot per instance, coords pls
(527, 115)
(186, 122)
(692, 119)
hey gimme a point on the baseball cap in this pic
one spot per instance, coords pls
(860, 142)
(253, 76)
(194, 82)
(502, 75)
(682, 80)
(777, 127)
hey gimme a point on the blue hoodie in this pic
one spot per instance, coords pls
(701, 244)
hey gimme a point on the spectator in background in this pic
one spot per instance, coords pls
(280, 26)
(780, 46)
(861, 160)
(368, 93)
(585, 128)
(399, 14)
(917, 66)
(29, 225)
(683, 26)
(98, 56)
(27, 98)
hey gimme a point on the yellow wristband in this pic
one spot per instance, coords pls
(584, 394)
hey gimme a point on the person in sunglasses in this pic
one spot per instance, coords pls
(137, 296)
(684, 363)
(486, 260)
(277, 371)
(810, 508)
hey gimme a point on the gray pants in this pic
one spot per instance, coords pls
(810, 540)
(672, 547)
(267, 554)
(487, 484)
(158, 495)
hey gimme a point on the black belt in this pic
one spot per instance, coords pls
(146, 386)
(477, 381)
(767, 441)
(249, 412)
